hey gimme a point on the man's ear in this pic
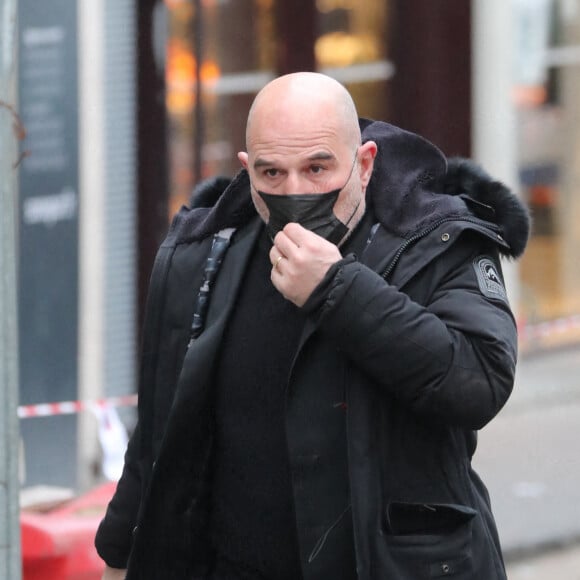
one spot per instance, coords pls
(243, 158)
(367, 152)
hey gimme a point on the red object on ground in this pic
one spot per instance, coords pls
(59, 544)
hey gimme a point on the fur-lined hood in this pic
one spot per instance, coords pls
(412, 187)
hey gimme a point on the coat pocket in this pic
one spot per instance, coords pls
(429, 540)
(426, 518)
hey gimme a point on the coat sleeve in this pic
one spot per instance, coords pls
(114, 536)
(451, 358)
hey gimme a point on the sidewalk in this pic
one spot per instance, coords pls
(529, 457)
(563, 564)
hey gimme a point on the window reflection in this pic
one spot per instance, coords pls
(548, 112)
(235, 44)
(352, 47)
(234, 47)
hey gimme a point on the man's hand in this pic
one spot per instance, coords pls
(114, 574)
(300, 260)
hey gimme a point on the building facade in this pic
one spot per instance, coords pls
(129, 104)
(419, 65)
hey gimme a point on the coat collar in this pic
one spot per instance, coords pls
(413, 186)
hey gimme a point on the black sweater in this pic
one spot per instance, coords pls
(253, 524)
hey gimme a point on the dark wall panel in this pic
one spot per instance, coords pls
(431, 90)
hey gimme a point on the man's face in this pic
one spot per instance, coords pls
(307, 156)
(318, 171)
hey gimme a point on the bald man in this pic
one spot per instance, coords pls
(320, 348)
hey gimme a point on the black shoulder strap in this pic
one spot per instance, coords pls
(153, 311)
(219, 246)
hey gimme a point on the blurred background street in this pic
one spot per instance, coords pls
(529, 457)
(113, 111)
(124, 107)
(560, 564)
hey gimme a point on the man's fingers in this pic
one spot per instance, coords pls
(294, 238)
(298, 234)
(276, 258)
(300, 259)
(284, 245)
(277, 264)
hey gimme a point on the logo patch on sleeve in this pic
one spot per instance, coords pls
(489, 280)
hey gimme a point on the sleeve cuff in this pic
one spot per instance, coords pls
(331, 280)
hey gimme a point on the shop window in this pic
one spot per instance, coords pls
(352, 47)
(548, 124)
(219, 54)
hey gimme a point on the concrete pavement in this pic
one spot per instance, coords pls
(529, 457)
(561, 564)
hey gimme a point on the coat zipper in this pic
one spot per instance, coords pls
(415, 237)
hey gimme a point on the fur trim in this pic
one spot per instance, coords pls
(413, 186)
(206, 193)
(465, 178)
(232, 207)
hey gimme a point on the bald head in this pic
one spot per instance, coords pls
(300, 101)
(303, 137)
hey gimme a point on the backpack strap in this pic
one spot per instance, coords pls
(219, 246)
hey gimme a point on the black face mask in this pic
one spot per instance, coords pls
(312, 211)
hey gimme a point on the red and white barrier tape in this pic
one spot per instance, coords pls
(549, 328)
(526, 331)
(72, 407)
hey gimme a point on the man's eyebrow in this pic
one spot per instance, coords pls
(317, 156)
(261, 162)
(321, 156)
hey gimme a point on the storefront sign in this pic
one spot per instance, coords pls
(48, 252)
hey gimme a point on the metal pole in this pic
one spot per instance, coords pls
(198, 111)
(10, 563)
(494, 116)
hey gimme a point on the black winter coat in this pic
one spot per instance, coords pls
(421, 330)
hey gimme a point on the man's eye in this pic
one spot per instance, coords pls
(316, 169)
(271, 172)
